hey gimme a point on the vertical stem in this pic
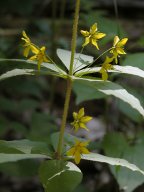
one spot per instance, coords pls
(64, 118)
(69, 82)
(74, 36)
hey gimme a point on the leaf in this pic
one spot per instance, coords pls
(80, 60)
(68, 140)
(24, 146)
(117, 69)
(112, 161)
(114, 89)
(41, 127)
(23, 168)
(84, 93)
(4, 158)
(59, 176)
(16, 72)
(129, 112)
(14, 67)
(116, 145)
(136, 60)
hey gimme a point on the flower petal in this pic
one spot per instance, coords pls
(85, 33)
(81, 113)
(120, 51)
(122, 42)
(99, 35)
(77, 157)
(93, 41)
(87, 40)
(116, 40)
(84, 151)
(71, 151)
(86, 119)
(33, 58)
(93, 28)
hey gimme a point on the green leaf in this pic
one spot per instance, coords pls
(136, 60)
(41, 127)
(59, 176)
(129, 112)
(84, 93)
(111, 161)
(80, 60)
(4, 158)
(24, 146)
(16, 72)
(116, 145)
(14, 67)
(68, 140)
(130, 70)
(23, 168)
(114, 89)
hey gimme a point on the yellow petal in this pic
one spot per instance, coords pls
(87, 40)
(71, 152)
(33, 58)
(122, 42)
(86, 119)
(75, 115)
(25, 35)
(84, 151)
(99, 35)
(26, 51)
(77, 157)
(93, 41)
(34, 49)
(82, 125)
(84, 144)
(85, 33)
(93, 28)
(120, 51)
(43, 49)
(81, 113)
(116, 40)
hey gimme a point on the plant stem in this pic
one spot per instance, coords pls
(74, 36)
(69, 82)
(64, 118)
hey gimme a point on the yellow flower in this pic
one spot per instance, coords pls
(29, 46)
(39, 56)
(80, 120)
(106, 66)
(92, 36)
(77, 150)
(117, 48)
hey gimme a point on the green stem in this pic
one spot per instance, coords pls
(64, 118)
(74, 36)
(69, 82)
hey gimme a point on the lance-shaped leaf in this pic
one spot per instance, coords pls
(59, 176)
(112, 161)
(114, 89)
(11, 151)
(117, 69)
(15, 67)
(4, 158)
(116, 145)
(80, 60)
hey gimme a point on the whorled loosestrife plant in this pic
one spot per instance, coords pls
(78, 66)
(91, 37)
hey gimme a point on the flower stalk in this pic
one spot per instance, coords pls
(69, 81)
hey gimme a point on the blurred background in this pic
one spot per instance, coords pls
(31, 107)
